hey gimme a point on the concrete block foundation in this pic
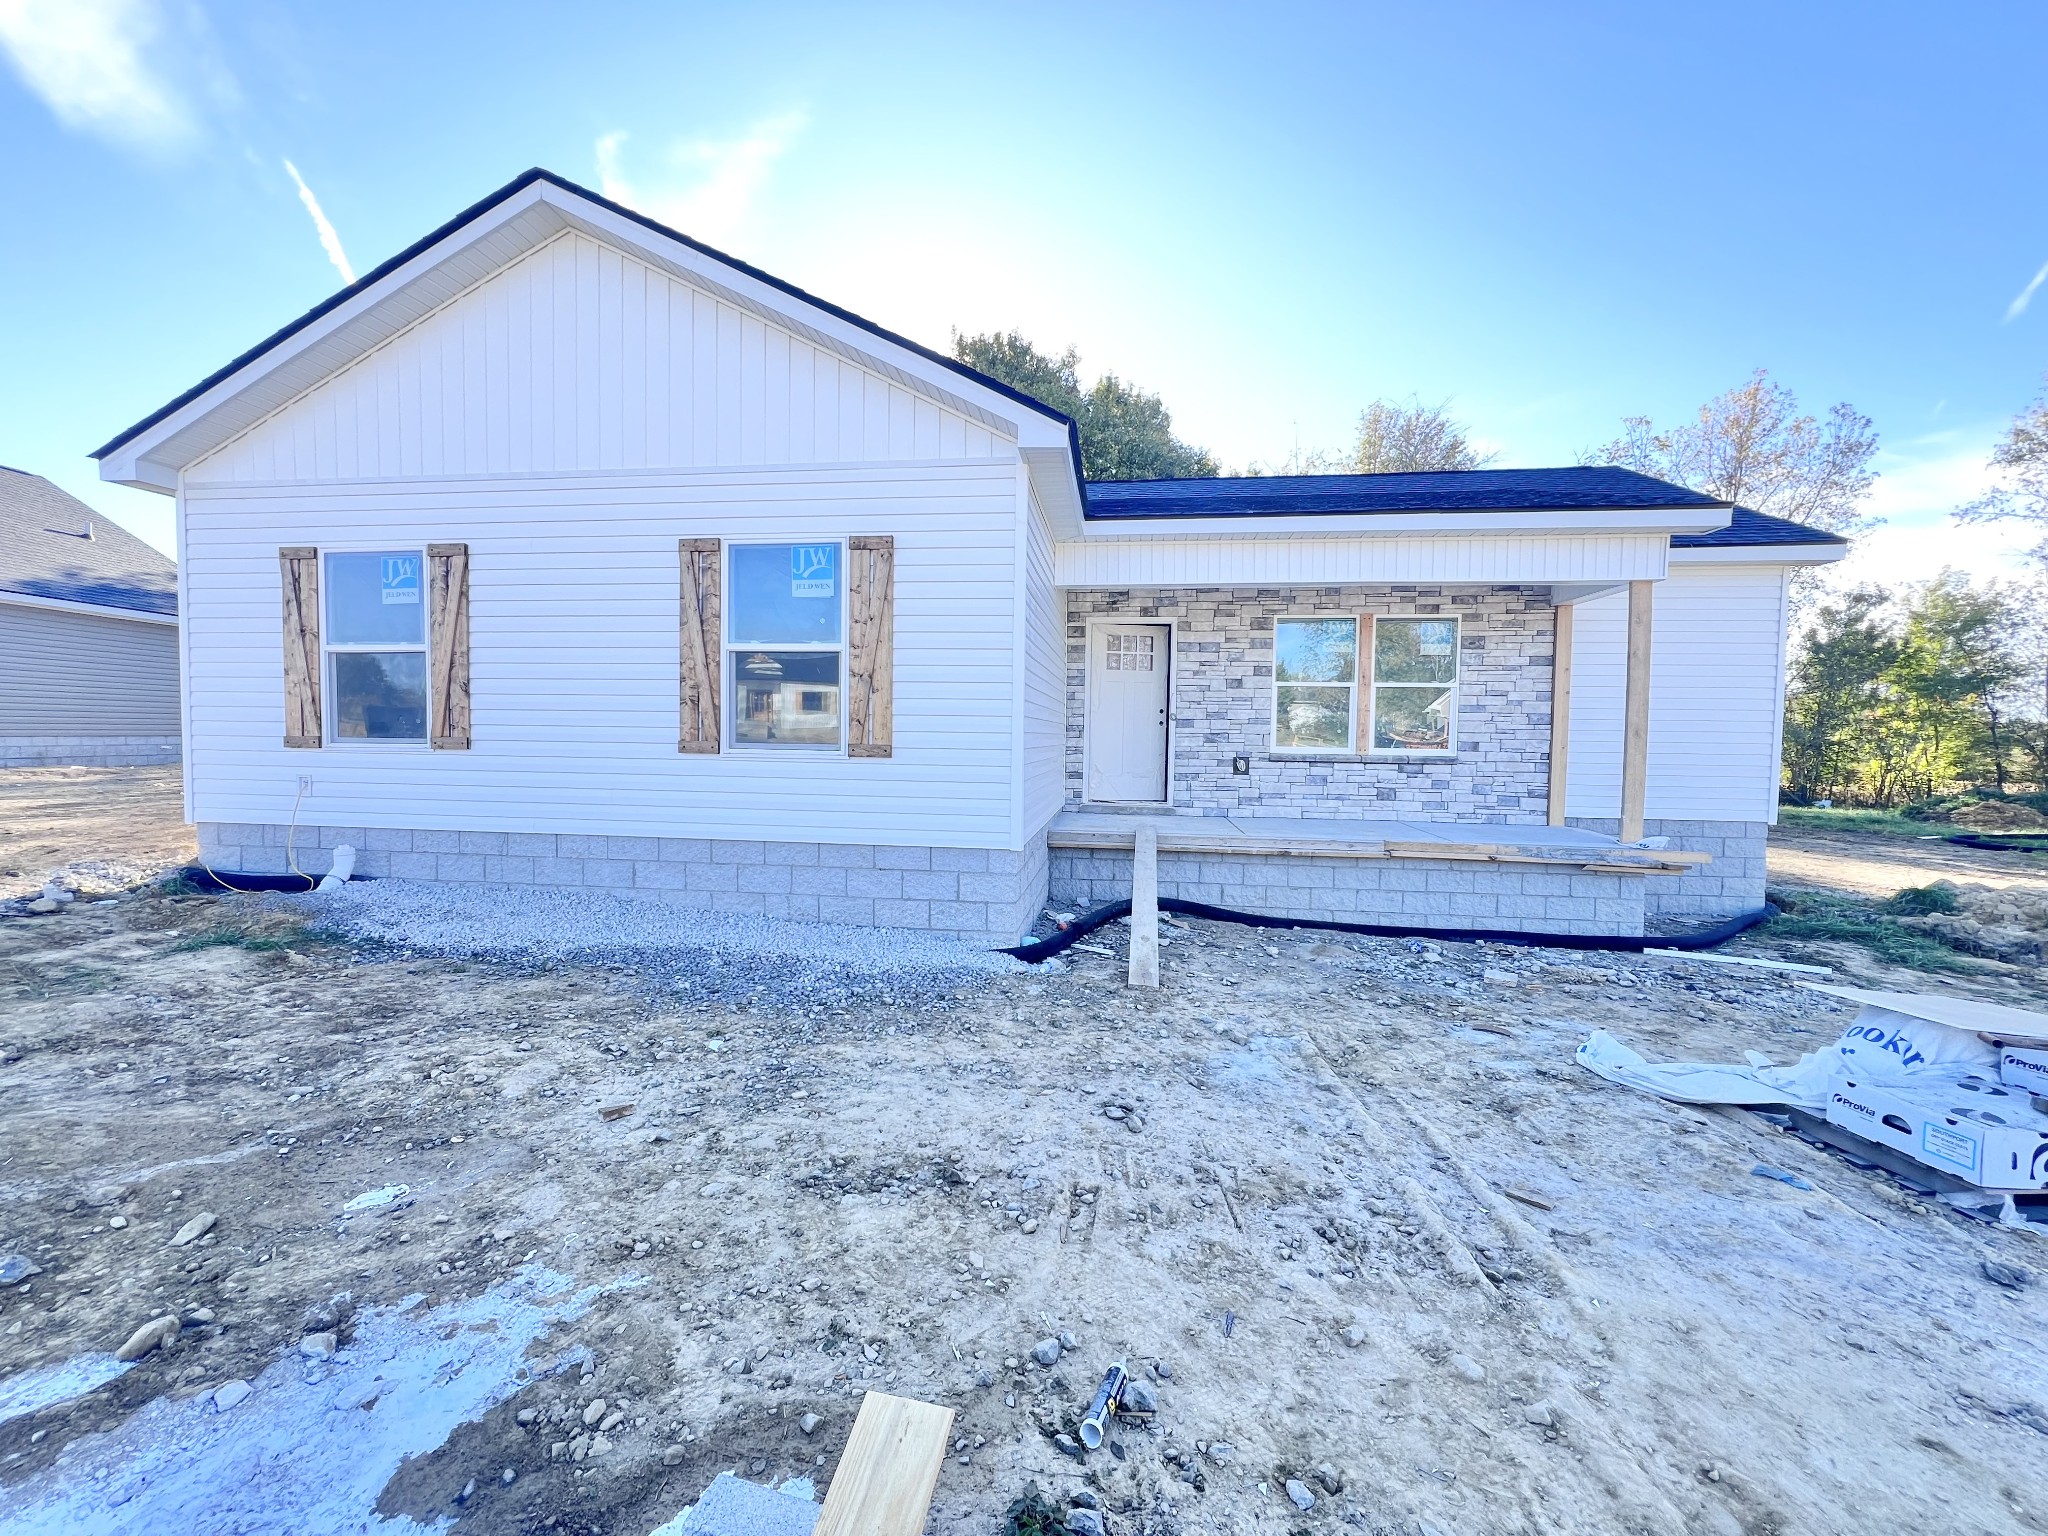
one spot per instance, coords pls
(987, 895)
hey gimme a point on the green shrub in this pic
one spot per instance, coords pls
(1918, 900)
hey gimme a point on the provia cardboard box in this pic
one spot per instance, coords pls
(2022, 1068)
(1976, 1129)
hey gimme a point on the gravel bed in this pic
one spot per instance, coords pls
(724, 956)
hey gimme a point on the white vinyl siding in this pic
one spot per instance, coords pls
(1716, 690)
(1045, 679)
(79, 674)
(573, 636)
(1162, 560)
(578, 357)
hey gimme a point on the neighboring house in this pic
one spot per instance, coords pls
(88, 635)
(562, 549)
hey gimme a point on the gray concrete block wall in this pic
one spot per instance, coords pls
(1730, 886)
(1222, 703)
(1433, 893)
(90, 751)
(984, 894)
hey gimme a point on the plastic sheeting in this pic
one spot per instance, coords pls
(1883, 1045)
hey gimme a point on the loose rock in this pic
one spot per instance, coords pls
(230, 1393)
(594, 1414)
(809, 1423)
(2012, 1276)
(1046, 1351)
(149, 1336)
(1468, 1368)
(1298, 1493)
(194, 1229)
(1541, 1414)
(318, 1346)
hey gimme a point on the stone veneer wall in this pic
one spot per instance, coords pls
(985, 894)
(1423, 893)
(1222, 704)
(1730, 886)
(89, 751)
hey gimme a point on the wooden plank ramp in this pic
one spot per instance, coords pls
(889, 1470)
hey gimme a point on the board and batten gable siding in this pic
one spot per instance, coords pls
(1716, 695)
(574, 635)
(81, 674)
(1044, 676)
(579, 357)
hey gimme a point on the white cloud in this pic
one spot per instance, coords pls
(330, 242)
(93, 63)
(1921, 485)
(2019, 305)
(706, 188)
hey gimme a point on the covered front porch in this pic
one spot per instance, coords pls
(1523, 879)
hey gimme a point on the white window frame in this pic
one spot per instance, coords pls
(330, 693)
(1360, 626)
(1369, 721)
(730, 650)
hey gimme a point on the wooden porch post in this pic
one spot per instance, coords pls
(1560, 711)
(1635, 730)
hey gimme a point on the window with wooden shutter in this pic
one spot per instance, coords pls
(448, 644)
(299, 571)
(871, 668)
(701, 645)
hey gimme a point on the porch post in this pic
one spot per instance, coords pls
(1560, 710)
(1635, 733)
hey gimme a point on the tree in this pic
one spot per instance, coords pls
(1393, 438)
(2021, 491)
(1834, 692)
(1956, 657)
(1751, 446)
(1125, 433)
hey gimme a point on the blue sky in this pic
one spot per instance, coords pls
(1552, 216)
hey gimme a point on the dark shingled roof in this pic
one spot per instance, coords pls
(1580, 488)
(1746, 528)
(45, 551)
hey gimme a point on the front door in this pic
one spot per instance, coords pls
(1127, 672)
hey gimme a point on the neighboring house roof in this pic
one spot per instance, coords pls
(1747, 529)
(371, 278)
(53, 546)
(1581, 488)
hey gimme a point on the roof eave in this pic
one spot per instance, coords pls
(1450, 521)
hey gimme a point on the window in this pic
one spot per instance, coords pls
(1414, 685)
(785, 644)
(376, 645)
(1131, 653)
(1315, 684)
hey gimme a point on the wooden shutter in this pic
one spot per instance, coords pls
(448, 644)
(299, 571)
(871, 610)
(700, 625)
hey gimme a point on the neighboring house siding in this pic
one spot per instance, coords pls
(1222, 704)
(578, 357)
(1044, 678)
(1164, 559)
(574, 669)
(1716, 681)
(81, 675)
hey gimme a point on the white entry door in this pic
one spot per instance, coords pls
(1127, 674)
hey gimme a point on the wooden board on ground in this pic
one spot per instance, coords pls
(889, 1469)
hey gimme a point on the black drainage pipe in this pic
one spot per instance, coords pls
(1081, 927)
(201, 878)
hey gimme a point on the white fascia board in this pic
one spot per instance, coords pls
(1450, 524)
(97, 610)
(1762, 554)
(137, 463)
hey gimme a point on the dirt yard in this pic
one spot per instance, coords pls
(1870, 864)
(1351, 1211)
